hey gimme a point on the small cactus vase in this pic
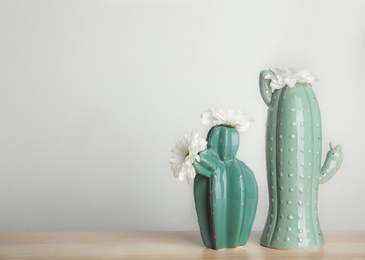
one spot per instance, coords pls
(293, 162)
(225, 192)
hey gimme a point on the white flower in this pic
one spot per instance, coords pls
(230, 118)
(184, 154)
(289, 77)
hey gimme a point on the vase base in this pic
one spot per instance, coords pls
(227, 248)
(292, 249)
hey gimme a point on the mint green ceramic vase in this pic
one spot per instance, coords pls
(225, 192)
(293, 162)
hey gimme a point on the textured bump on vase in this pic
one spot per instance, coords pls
(225, 192)
(293, 163)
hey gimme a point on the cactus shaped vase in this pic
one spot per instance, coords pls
(225, 192)
(293, 163)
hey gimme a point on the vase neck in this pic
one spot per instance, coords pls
(224, 141)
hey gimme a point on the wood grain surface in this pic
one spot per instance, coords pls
(163, 245)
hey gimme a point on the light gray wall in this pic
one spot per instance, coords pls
(94, 94)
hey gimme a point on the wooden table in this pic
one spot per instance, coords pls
(163, 245)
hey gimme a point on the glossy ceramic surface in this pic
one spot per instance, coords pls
(225, 192)
(293, 162)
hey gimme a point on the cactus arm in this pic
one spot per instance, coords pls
(265, 88)
(202, 187)
(204, 180)
(332, 163)
(208, 163)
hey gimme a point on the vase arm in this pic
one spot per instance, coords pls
(332, 163)
(265, 88)
(208, 163)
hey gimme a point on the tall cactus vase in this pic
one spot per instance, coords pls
(225, 192)
(293, 162)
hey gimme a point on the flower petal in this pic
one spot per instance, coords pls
(288, 77)
(184, 155)
(231, 118)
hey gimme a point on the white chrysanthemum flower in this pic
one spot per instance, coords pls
(289, 77)
(230, 118)
(184, 154)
